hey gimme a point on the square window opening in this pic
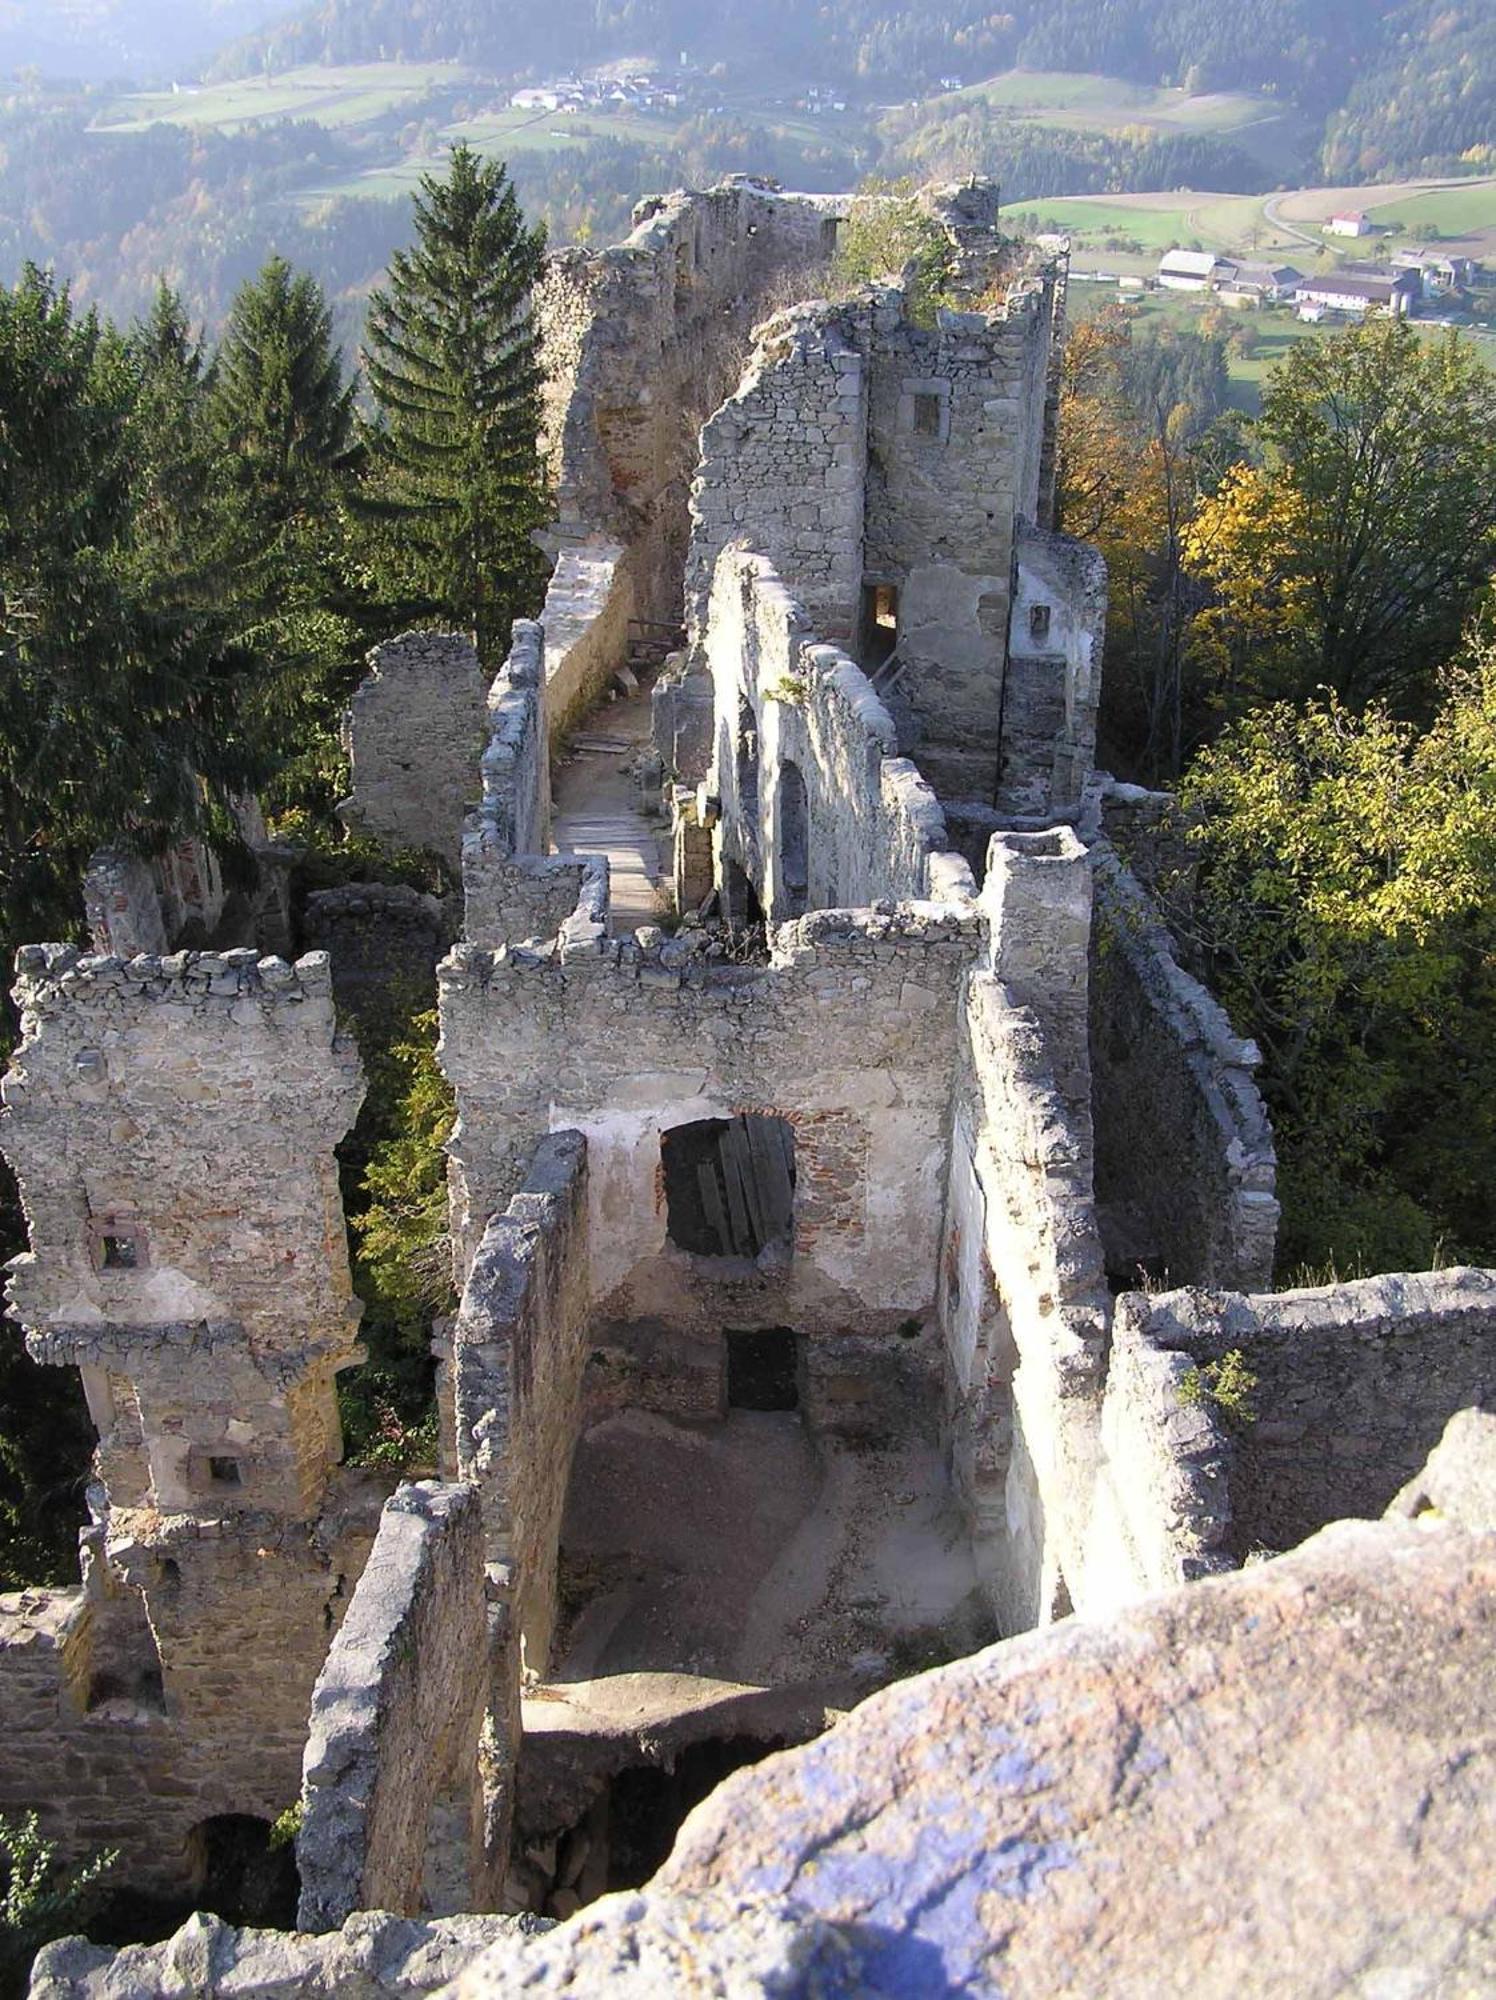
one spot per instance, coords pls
(225, 1472)
(122, 1253)
(763, 1369)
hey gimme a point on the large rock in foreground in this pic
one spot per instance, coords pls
(1277, 1782)
(1280, 1782)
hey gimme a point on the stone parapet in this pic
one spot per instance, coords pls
(396, 1716)
(1185, 1166)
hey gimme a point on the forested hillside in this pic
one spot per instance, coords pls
(1407, 85)
(100, 38)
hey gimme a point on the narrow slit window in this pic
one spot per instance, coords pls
(1039, 624)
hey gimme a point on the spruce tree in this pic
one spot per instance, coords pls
(283, 405)
(452, 356)
(284, 420)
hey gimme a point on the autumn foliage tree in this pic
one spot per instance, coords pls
(1350, 555)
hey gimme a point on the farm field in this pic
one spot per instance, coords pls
(1262, 126)
(358, 94)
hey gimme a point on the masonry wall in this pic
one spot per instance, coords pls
(1022, 1298)
(955, 417)
(383, 940)
(641, 342)
(396, 1718)
(1185, 1166)
(1354, 1386)
(784, 464)
(172, 1122)
(834, 816)
(849, 1035)
(1057, 629)
(520, 1349)
(413, 733)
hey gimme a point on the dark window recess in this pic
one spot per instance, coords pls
(225, 1472)
(730, 1185)
(763, 1371)
(794, 838)
(122, 1253)
(747, 767)
(1039, 623)
(927, 413)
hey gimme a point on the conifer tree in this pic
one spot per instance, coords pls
(452, 357)
(283, 404)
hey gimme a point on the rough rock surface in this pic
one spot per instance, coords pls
(1275, 1782)
(374, 1955)
(1458, 1484)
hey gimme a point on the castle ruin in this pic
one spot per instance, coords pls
(797, 1234)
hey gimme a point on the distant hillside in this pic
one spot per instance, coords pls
(1309, 49)
(1397, 86)
(92, 39)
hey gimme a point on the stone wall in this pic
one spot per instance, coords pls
(1057, 629)
(849, 1034)
(396, 1718)
(889, 472)
(383, 940)
(1354, 1386)
(520, 1348)
(833, 816)
(641, 342)
(414, 733)
(122, 904)
(1185, 1166)
(784, 465)
(588, 604)
(172, 1122)
(1022, 1300)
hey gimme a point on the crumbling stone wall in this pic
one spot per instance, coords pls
(396, 1720)
(122, 904)
(848, 1034)
(784, 465)
(513, 889)
(823, 751)
(1022, 1298)
(1354, 1386)
(414, 733)
(383, 939)
(172, 1123)
(520, 1348)
(891, 473)
(641, 343)
(1052, 687)
(1185, 1166)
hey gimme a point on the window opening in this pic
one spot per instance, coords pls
(1039, 623)
(927, 413)
(225, 1472)
(763, 1369)
(794, 838)
(730, 1185)
(121, 1253)
(880, 624)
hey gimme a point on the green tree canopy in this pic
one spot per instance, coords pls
(1345, 915)
(1352, 556)
(123, 705)
(453, 362)
(283, 405)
